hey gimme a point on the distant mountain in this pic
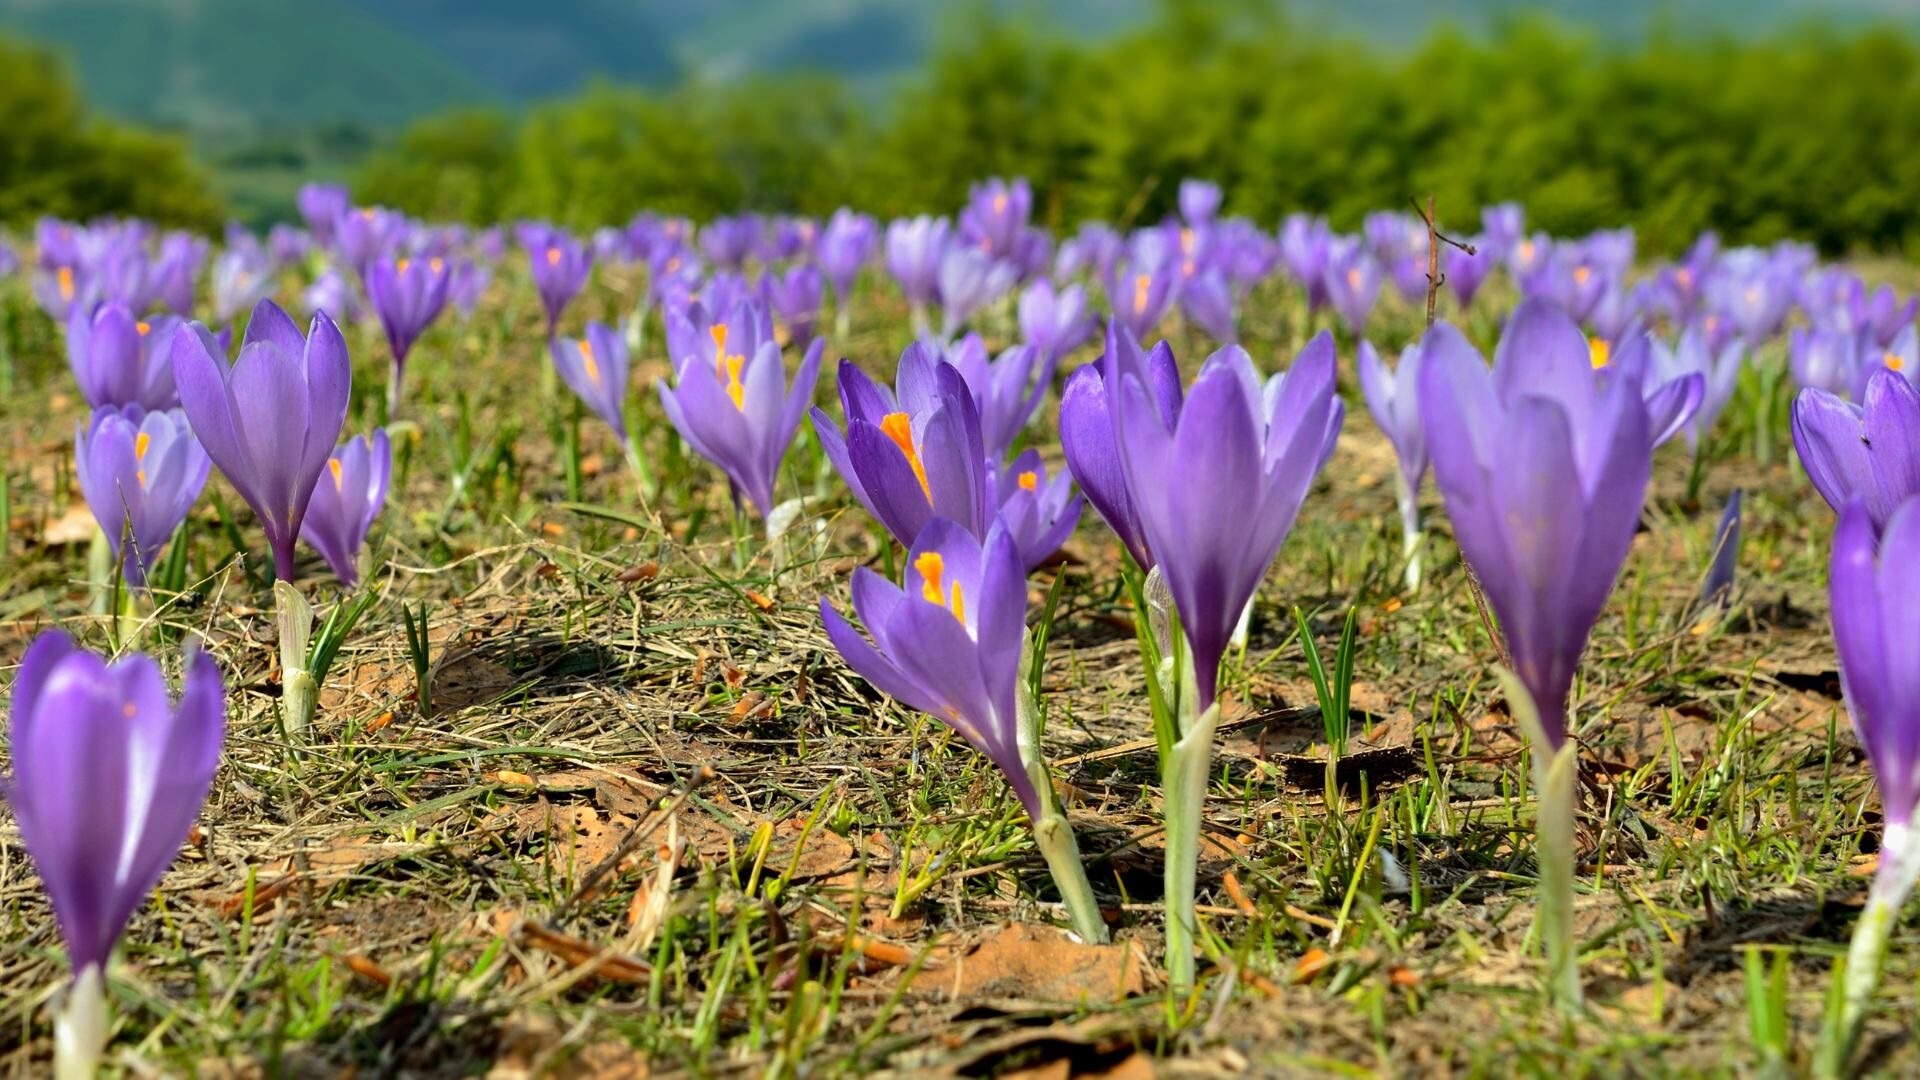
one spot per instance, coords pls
(226, 67)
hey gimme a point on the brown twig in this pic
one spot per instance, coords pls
(1434, 239)
(632, 841)
(1434, 279)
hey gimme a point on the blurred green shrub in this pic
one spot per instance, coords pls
(1814, 135)
(57, 159)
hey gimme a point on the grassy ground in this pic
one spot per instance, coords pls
(467, 869)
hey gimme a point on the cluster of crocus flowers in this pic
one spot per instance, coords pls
(951, 641)
(730, 400)
(408, 295)
(108, 777)
(140, 472)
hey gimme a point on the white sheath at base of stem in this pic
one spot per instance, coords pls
(80, 1028)
(293, 617)
(1899, 864)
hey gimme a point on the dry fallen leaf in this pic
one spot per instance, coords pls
(76, 526)
(1041, 963)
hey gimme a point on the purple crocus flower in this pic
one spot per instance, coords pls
(332, 293)
(1876, 632)
(1351, 281)
(1040, 511)
(1887, 317)
(913, 454)
(595, 367)
(408, 295)
(346, 501)
(242, 277)
(1502, 225)
(914, 250)
(108, 777)
(1305, 245)
(1207, 300)
(1868, 452)
(120, 360)
(1089, 432)
(727, 241)
(1543, 476)
(1140, 291)
(321, 207)
(736, 410)
(1465, 273)
(270, 420)
(1542, 351)
(466, 284)
(9, 260)
(1244, 253)
(1827, 358)
(948, 640)
(1571, 280)
(174, 272)
(1199, 202)
(1054, 322)
(846, 246)
(1233, 445)
(794, 299)
(560, 268)
(1719, 370)
(1393, 397)
(1093, 251)
(288, 245)
(969, 279)
(62, 289)
(1529, 255)
(1005, 390)
(1902, 354)
(140, 472)
(995, 220)
(1754, 290)
(367, 234)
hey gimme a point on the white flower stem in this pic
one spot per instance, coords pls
(80, 1028)
(294, 617)
(1410, 533)
(1051, 833)
(1183, 783)
(1553, 780)
(1555, 773)
(1899, 864)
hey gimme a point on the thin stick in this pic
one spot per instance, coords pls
(633, 839)
(1434, 278)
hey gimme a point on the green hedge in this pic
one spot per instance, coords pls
(1812, 135)
(57, 159)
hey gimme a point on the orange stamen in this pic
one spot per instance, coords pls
(1028, 481)
(899, 427)
(586, 353)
